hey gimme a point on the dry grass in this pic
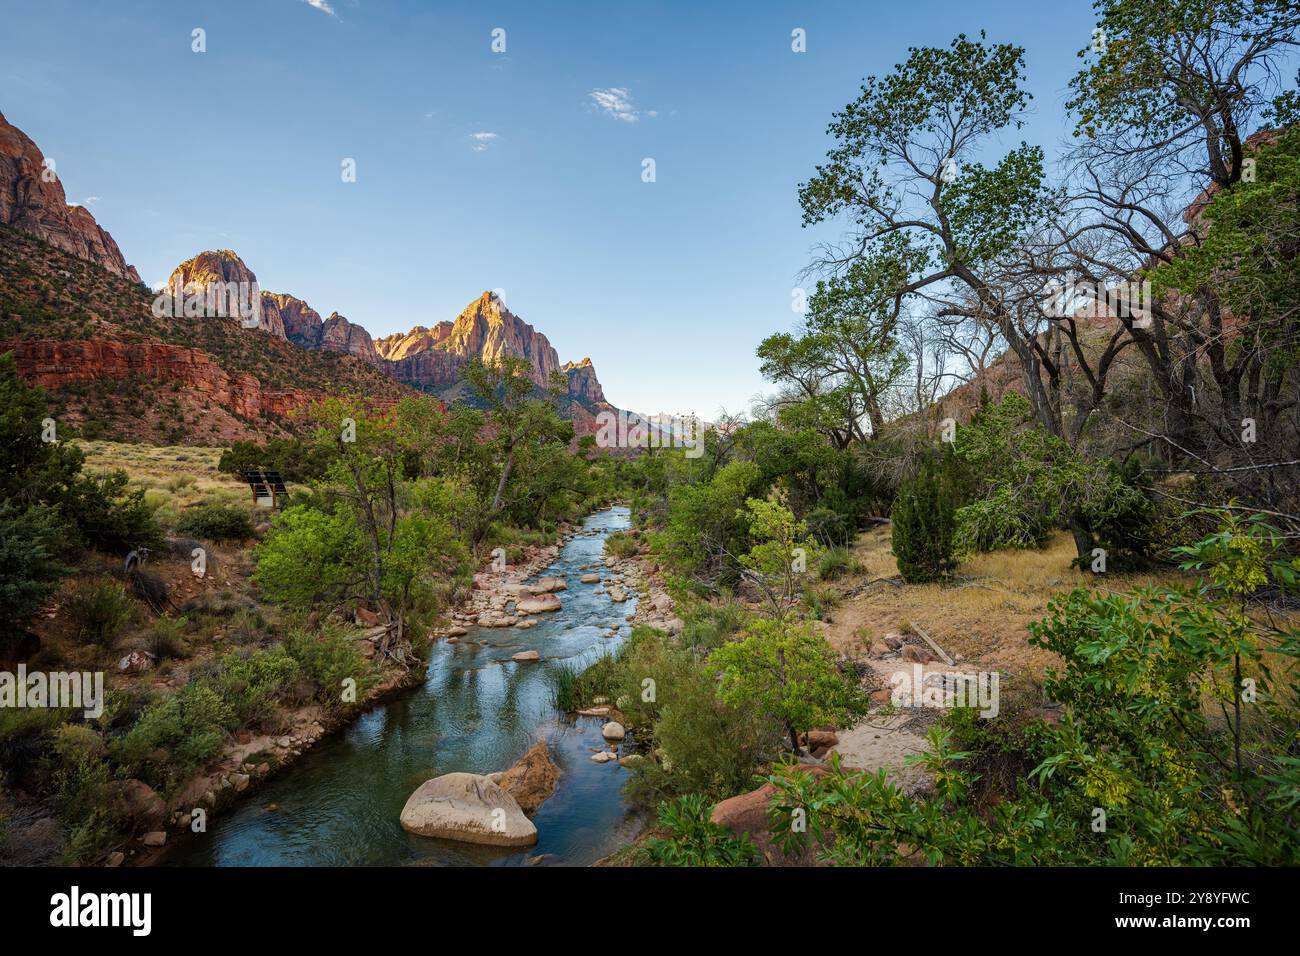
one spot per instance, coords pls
(983, 616)
(173, 477)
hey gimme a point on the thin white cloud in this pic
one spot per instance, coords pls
(321, 5)
(616, 102)
(481, 141)
(91, 200)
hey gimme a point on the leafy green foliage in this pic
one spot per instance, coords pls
(1176, 730)
(694, 840)
(216, 523)
(30, 569)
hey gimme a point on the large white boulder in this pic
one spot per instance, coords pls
(470, 808)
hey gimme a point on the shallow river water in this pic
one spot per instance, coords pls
(477, 711)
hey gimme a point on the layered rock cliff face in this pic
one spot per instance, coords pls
(337, 334)
(228, 288)
(55, 364)
(484, 330)
(282, 315)
(195, 337)
(584, 387)
(431, 358)
(32, 201)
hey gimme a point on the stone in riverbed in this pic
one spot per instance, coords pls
(603, 757)
(590, 579)
(539, 605)
(467, 807)
(532, 779)
(526, 656)
(547, 585)
(613, 731)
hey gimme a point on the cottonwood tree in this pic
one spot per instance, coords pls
(1163, 109)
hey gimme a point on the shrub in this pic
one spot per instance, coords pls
(832, 528)
(175, 735)
(30, 541)
(250, 682)
(621, 545)
(166, 638)
(99, 610)
(110, 517)
(695, 840)
(216, 523)
(837, 562)
(330, 657)
(923, 525)
(79, 777)
(707, 626)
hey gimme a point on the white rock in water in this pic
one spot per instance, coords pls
(604, 757)
(467, 807)
(538, 605)
(613, 731)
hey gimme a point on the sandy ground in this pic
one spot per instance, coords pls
(981, 620)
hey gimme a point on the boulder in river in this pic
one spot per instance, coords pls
(532, 779)
(525, 657)
(468, 807)
(590, 579)
(538, 605)
(547, 585)
(613, 731)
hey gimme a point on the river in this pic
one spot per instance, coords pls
(476, 711)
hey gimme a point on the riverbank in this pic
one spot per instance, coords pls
(477, 711)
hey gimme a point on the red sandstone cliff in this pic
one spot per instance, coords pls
(32, 201)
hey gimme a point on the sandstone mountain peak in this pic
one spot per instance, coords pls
(32, 201)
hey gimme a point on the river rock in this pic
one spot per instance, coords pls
(547, 585)
(617, 595)
(603, 757)
(135, 803)
(613, 731)
(532, 779)
(539, 605)
(525, 625)
(590, 579)
(136, 662)
(525, 657)
(154, 838)
(468, 807)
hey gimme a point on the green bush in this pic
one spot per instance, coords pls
(216, 523)
(695, 840)
(330, 657)
(99, 610)
(166, 638)
(175, 735)
(837, 562)
(30, 542)
(923, 525)
(621, 545)
(110, 517)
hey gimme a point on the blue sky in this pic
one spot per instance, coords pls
(478, 170)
